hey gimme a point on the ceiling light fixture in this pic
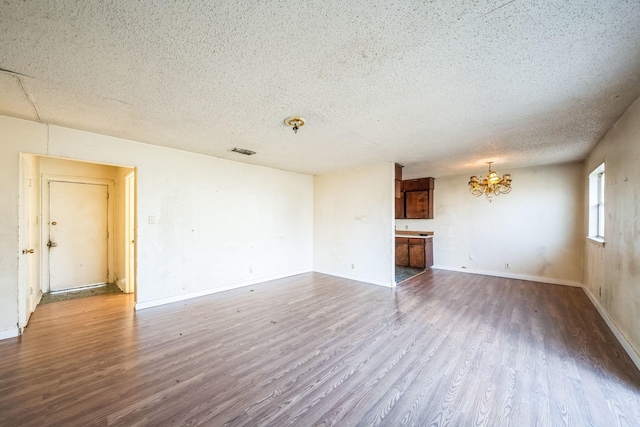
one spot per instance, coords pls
(295, 122)
(491, 186)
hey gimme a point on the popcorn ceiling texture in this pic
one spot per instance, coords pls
(439, 86)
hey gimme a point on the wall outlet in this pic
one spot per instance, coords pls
(471, 257)
(250, 270)
(406, 227)
(507, 265)
(353, 266)
(152, 220)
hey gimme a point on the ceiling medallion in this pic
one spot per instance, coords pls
(295, 122)
(490, 186)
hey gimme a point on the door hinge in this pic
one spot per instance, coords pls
(107, 195)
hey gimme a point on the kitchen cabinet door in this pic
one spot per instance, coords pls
(417, 199)
(400, 206)
(398, 193)
(416, 253)
(416, 204)
(402, 252)
(428, 253)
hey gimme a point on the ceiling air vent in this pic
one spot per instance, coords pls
(243, 151)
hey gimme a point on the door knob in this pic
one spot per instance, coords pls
(27, 251)
(52, 244)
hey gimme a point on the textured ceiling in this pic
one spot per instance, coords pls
(438, 86)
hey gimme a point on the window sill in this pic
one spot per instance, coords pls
(596, 240)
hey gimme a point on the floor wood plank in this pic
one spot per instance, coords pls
(445, 348)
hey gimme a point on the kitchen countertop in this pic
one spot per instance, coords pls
(414, 234)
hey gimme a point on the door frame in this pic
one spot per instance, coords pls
(28, 273)
(46, 197)
(130, 231)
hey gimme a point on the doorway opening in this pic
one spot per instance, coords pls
(77, 222)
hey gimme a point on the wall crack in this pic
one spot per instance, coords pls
(28, 97)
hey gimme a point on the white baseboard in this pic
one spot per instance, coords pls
(178, 298)
(11, 333)
(122, 284)
(513, 276)
(35, 303)
(359, 279)
(635, 357)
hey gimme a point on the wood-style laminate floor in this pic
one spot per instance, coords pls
(447, 349)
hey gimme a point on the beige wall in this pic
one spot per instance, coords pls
(612, 271)
(537, 228)
(218, 224)
(353, 224)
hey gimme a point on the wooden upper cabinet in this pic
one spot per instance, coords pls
(416, 204)
(420, 184)
(400, 207)
(417, 199)
(398, 193)
(414, 197)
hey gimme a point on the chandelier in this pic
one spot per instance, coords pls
(490, 186)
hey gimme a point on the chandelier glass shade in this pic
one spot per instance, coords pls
(491, 186)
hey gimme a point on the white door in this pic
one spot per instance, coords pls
(77, 234)
(28, 287)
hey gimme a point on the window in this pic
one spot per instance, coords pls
(596, 204)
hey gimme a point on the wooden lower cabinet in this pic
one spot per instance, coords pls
(428, 253)
(417, 253)
(402, 251)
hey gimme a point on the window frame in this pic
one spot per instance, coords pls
(597, 188)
